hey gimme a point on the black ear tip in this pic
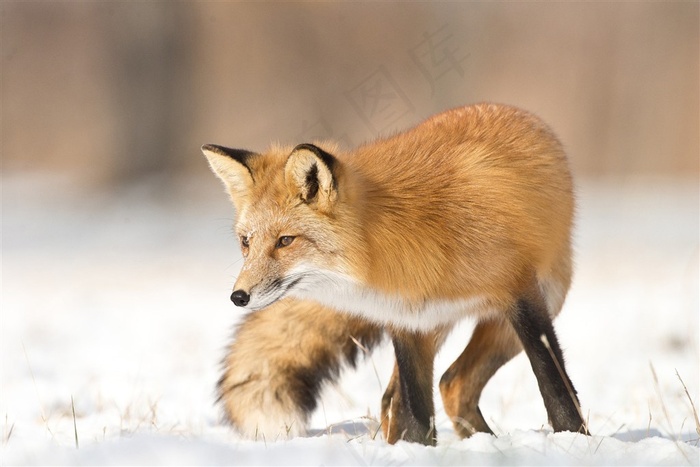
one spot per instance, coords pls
(241, 155)
(211, 148)
(327, 158)
(308, 146)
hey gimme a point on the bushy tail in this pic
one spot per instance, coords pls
(278, 361)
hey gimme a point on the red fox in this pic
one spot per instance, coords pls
(467, 214)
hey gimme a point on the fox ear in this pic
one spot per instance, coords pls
(232, 167)
(309, 172)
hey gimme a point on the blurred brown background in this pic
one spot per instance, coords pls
(110, 92)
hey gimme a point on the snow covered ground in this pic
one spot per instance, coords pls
(115, 315)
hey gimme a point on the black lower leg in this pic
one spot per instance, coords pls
(534, 327)
(416, 411)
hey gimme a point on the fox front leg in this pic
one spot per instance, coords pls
(408, 410)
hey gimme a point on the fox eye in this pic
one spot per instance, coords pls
(284, 241)
(245, 243)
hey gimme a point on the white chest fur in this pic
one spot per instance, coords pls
(346, 295)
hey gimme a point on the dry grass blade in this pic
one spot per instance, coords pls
(603, 438)
(661, 399)
(676, 438)
(389, 416)
(75, 425)
(36, 389)
(570, 390)
(7, 433)
(368, 354)
(695, 412)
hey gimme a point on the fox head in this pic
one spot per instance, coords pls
(288, 216)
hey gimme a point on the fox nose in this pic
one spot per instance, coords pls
(240, 297)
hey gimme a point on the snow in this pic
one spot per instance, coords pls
(115, 306)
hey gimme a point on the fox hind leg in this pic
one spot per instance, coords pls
(533, 325)
(492, 344)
